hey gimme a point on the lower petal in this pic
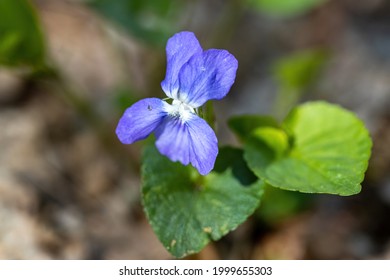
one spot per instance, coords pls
(191, 141)
(141, 119)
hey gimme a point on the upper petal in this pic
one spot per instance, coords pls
(180, 48)
(141, 119)
(206, 76)
(192, 141)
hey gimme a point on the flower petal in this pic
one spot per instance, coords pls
(141, 119)
(192, 141)
(180, 48)
(206, 76)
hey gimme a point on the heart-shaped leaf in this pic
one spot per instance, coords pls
(187, 210)
(327, 151)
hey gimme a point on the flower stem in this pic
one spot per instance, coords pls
(208, 114)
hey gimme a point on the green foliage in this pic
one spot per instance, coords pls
(21, 41)
(278, 205)
(124, 98)
(295, 74)
(244, 125)
(299, 70)
(326, 151)
(150, 20)
(286, 8)
(186, 210)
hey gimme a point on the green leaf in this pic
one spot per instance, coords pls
(150, 20)
(21, 40)
(327, 151)
(295, 74)
(286, 8)
(277, 205)
(186, 210)
(124, 98)
(244, 125)
(299, 70)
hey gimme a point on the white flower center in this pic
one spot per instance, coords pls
(180, 109)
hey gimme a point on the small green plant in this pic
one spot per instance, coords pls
(317, 148)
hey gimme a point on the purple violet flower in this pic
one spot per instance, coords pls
(193, 77)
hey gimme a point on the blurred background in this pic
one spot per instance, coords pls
(68, 69)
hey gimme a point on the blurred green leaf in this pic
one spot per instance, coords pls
(278, 205)
(244, 125)
(295, 74)
(124, 98)
(286, 8)
(299, 70)
(327, 152)
(21, 40)
(186, 210)
(150, 20)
